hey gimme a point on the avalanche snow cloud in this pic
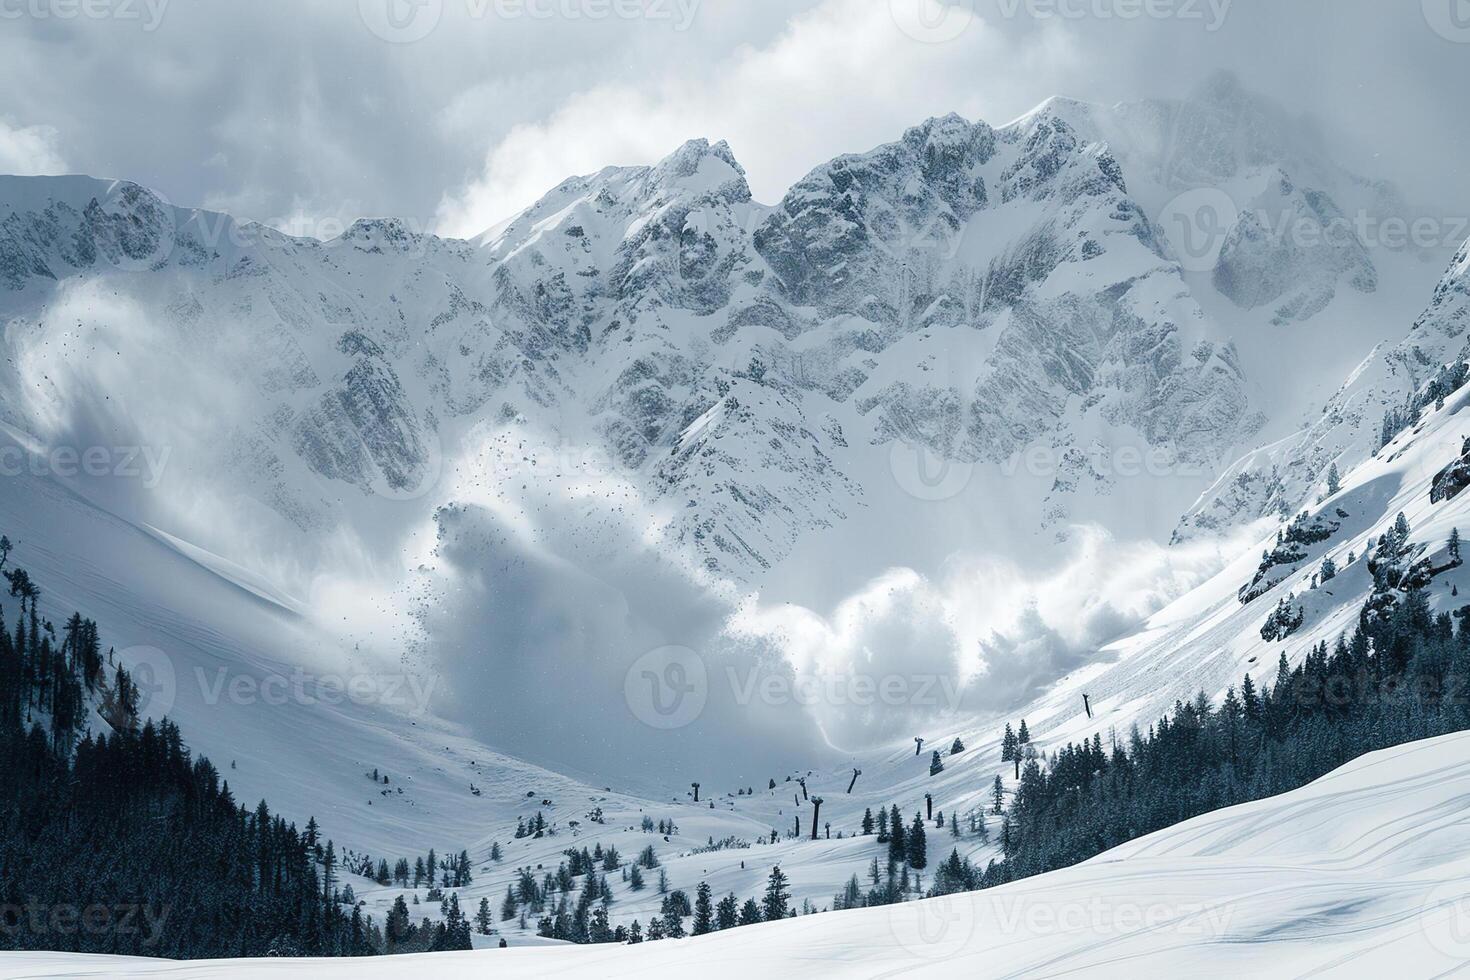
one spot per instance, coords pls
(545, 604)
(908, 651)
(555, 617)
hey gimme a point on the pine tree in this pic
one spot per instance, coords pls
(508, 905)
(936, 765)
(1250, 702)
(329, 865)
(703, 911)
(1334, 481)
(1008, 745)
(998, 791)
(397, 929)
(673, 924)
(750, 913)
(867, 821)
(600, 930)
(851, 896)
(482, 917)
(778, 896)
(727, 912)
(1023, 737)
(916, 845)
(896, 850)
(1454, 543)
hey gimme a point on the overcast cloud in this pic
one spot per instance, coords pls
(455, 113)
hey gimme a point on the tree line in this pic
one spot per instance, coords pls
(100, 833)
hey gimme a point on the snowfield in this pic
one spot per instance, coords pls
(1365, 872)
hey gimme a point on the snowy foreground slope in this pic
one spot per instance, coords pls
(1364, 872)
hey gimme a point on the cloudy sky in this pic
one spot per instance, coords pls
(455, 113)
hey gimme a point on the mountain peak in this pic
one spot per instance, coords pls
(702, 167)
(950, 133)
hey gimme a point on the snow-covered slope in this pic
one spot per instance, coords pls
(283, 713)
(1284, 475)
(1361, 873)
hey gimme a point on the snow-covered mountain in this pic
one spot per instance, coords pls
(1272, 177)
(596, 429)
(952, 299)
(714, 347)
